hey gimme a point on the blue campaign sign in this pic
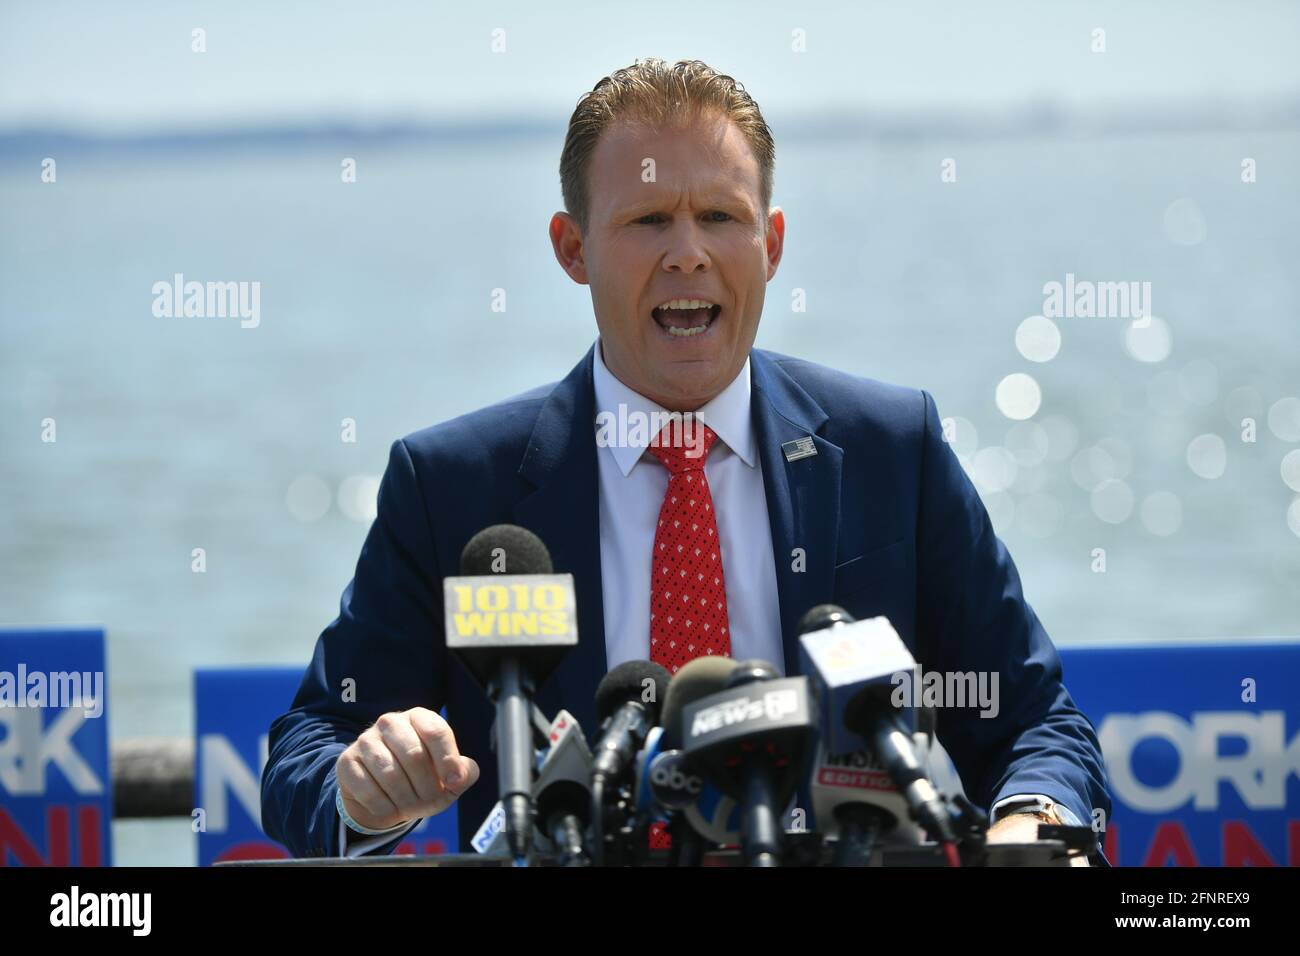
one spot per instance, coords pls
(234, 709)
(56, 798)
(1202, 748)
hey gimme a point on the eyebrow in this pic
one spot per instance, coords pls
(644, 207)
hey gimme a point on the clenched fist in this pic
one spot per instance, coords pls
(403, 768)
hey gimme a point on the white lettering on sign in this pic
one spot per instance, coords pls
(26, 748)
(224, 771)
(1259, 773)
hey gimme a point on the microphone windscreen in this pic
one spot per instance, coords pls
(521, 552)
(823, 616)
(699, 678)
(749, 672)
(627, 682)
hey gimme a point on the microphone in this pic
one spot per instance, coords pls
(510, 621)
(666, 789)
(753, 740)
(853, 664)
(560, 792)
(627, 703)
(854, 800)
(664, 774)
(856, 805)
(563, 793)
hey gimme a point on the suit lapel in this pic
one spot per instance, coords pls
(563, 510)
(803, 496)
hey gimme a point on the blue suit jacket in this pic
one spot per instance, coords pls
(884, 513)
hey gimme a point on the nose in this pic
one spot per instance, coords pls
(686, 251)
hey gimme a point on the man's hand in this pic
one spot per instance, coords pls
(404, 767)
(1023, 828)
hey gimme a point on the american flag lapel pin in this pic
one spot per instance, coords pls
(799, 448)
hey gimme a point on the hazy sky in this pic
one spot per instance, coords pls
(128, 65)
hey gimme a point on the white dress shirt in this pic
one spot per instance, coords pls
(632, 488)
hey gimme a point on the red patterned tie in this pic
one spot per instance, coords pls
(688, 591)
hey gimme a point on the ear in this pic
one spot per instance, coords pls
(566, 240)
(775, 239)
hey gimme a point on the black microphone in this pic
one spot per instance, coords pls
(854, 664)
(510, 621)
(673, 785)
(628, 704)
(858, 808)
(563, 791)
(754, 740)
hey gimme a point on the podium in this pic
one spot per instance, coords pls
(799, 853)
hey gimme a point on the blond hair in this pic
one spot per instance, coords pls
(655, 93)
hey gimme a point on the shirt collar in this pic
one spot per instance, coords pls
(727, 413)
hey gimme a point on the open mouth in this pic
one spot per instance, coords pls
(685, 318)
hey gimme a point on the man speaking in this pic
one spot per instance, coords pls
(804, 486)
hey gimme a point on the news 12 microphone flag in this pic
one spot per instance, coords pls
(233, 711)
(56, 796)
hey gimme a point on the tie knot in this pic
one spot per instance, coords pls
(683, 444)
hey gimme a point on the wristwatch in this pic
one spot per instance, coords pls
(1041, 807)
(1045, 810)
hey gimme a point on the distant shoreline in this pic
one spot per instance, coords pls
(1028, 118)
